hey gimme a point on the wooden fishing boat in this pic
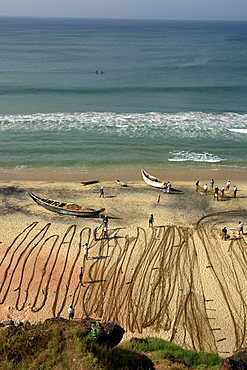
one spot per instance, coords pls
(120, 183)
(151, 180)
(65, 208)
(87, 182)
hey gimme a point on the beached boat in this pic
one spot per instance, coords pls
(87, 182)
(65, 208)
(151, 180)
(120, 183)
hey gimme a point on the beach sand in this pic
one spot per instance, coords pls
(178, 280)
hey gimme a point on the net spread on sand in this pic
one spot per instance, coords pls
(75, 207)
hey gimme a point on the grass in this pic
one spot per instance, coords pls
(160, 348)
(70, 345)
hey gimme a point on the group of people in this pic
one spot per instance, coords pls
(216, 190)
(95, 231)
(224, 234)
(167, 187)
(71, 309)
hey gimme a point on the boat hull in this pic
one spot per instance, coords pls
(58, 207)
(151, 180)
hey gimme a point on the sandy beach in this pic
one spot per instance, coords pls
(178, 280)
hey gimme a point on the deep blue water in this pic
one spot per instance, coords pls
(173, 93)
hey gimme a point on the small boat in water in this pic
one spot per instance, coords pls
(64, 208)
(151, 180)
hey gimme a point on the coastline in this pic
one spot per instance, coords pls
(192, 174)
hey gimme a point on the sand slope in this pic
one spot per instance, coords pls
(178, 280)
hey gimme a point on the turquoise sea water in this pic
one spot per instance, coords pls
(173, 94)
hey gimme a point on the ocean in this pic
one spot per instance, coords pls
(173, 95)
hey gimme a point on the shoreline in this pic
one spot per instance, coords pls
(193, 174)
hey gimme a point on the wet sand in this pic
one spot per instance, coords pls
(178, 280)
(179, 175)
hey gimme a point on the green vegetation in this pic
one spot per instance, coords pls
(73, 345)
(161, 348)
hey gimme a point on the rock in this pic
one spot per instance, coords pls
(18, 323)
(107, 334)
(8, 322)
(114, 333)
(238, 361)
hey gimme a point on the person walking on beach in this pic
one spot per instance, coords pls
(235, 189)
(212, 183)
(164, 187)
(222, 192)
(228, 184)
(95, 233)
(86, 250)
(240, 228)
(101, 192)
(205, 188)
(216, 193)
(151, 220)
(197, 185)
(71, 312)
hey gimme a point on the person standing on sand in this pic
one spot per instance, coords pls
(101, 192)
(95, 233)
(240, 228)
(169, 185)
(205, 189)
(80, 274)
(86, 250)
(228, 184)
(222, 192)
(197, 185)
(212, 183)
(224, 233)
(71, 312)
(235, 189)
(216, 193)
(105, 220)
(151, 220)
(105, 231)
